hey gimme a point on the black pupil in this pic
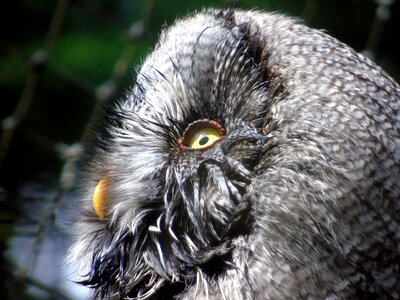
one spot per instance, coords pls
(203, 140)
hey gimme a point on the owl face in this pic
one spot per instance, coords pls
(169, 174)
(252, 158)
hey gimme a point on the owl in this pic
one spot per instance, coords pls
(253, 158)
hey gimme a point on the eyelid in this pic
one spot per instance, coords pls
(208, 126)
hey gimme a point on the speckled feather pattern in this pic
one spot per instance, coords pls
(299, 200)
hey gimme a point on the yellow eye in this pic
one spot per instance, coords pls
(203, 138)
(202, 134)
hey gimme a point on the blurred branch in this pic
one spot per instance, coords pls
(21, 282)
(48, 216)
(24, 276)
(54, 293)
(107, 91)
(382, 15)
(56, 24)
(36, 65)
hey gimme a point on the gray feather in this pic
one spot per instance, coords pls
(299, 200)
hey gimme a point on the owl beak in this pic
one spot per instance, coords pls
(100, 198)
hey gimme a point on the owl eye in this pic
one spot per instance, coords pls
(202, 134)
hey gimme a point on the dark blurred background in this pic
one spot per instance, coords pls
(60, 63)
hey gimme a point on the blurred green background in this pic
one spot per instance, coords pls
(61, 62)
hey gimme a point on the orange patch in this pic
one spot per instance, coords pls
(100, 198)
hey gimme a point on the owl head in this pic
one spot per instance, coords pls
(166, 180)
(234, 162)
